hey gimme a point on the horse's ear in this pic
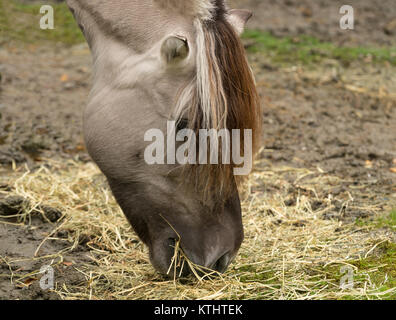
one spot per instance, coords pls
(238, 19)
(84, 20)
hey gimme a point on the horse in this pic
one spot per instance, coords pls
(156, 61)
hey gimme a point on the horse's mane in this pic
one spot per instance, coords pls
(201, 9)
(222, 94)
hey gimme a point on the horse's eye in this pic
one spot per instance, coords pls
(175, 49)
(182, 124)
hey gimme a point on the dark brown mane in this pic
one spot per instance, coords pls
(230, 77)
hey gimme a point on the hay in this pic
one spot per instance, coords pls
(286, 254)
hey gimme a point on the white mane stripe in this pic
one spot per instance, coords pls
(203, 80)
(207, 84)
(204, 9)
(201, 9)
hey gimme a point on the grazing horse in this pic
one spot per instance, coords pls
(156, 61)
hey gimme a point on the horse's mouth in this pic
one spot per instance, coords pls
(181, 265)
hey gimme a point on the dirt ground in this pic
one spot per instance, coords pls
(340, 120)
(375, 23)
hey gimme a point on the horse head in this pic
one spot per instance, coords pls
(156, 61)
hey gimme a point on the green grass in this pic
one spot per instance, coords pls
(308, 50)
(20, 22)
(250, 274)
(389, 220)
(381, 266)
(379, 270)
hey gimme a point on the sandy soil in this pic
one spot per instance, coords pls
(342, 120)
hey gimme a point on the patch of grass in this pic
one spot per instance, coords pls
(391, 220)
(381, 267)
(308, 50)
(249, 273)
(21, 22)
(388, 220)
(377, 271)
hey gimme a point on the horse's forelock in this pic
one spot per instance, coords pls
(222, 95)
(203, 10)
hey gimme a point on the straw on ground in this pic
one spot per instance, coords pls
(296, 240)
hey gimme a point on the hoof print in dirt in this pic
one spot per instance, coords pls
(16, 205)
(390, 28)
(84, 239)
(52, 214)
(12, 205)
(34, 147)
(5, 187)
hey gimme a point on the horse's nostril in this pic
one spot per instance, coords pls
(172, 242)
(222, 264)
